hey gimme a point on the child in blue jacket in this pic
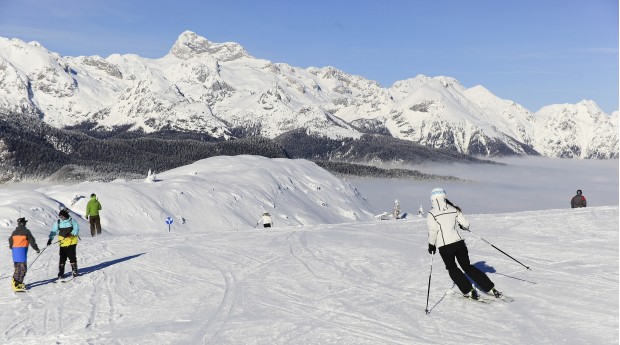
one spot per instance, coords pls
(18, 242)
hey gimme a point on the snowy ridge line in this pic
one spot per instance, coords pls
(195, 88)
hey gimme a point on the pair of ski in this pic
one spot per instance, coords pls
(65, 279)
(489, 299)
(482, 298)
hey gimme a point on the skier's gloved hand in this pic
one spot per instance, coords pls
(38, 251)
(49, 242)
(431, 249)
(463, 228)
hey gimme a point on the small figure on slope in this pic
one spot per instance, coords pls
(92, 214)
(18, 242)
(442, 221)
(67, 229)
(266, 219)
(578, 200)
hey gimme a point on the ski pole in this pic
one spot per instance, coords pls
(428, 292)
(35, 259)
(499, 249)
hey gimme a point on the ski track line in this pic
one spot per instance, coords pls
(333, 312)
(344, 282)
(342, 326)
(209, 332)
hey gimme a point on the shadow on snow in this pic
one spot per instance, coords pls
(482, 266)
(88, 270)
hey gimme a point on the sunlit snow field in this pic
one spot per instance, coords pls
(328, 272)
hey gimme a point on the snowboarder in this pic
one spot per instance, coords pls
(442, 221)
(92, 214)
(578, 200)
(266, 219)
(18, 242)
(67, 229)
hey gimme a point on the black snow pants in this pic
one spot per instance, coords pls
(70, 253)
(459, 251)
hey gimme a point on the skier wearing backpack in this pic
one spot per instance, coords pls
(18, 242)
(92, 214)
(67, 229)
(578, 200)
(442, 221)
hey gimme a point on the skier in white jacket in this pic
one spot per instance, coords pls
(443, 220)
(266, 219)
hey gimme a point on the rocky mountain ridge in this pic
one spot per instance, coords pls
(219, 89)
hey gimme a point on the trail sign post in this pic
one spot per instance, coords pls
(169, 222)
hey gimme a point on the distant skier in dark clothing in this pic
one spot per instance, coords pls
(442, 221)
(578, 200)
(18, 242)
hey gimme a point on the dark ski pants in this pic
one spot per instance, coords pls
(459, 251)
(67, 252)
(95, 225)
(20, 272)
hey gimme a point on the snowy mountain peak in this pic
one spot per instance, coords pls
(190, 45)
(214, 87)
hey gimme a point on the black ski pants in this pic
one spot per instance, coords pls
(67, 252)
(458, 251)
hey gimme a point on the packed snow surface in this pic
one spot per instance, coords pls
(321, 275)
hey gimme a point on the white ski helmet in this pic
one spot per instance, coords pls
(438, 193)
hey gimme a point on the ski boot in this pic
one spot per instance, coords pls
(18, 287)
(496, 293)
(472, 294)
(74, 269)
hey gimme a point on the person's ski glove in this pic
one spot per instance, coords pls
(463, 228)
(49, 242)
(38, 251)
(431, 249)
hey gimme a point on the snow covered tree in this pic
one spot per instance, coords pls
(396, 210)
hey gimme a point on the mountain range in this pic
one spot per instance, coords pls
(220, 90)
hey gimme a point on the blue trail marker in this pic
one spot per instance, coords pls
(169, 222)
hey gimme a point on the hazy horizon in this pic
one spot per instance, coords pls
(521, 184)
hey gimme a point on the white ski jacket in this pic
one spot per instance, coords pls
(266, 219)
(443, 222)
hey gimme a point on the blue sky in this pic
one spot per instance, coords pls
(534, 52)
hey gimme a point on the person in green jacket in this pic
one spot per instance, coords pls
(92, 214)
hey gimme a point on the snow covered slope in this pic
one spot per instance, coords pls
(217, 87)
(349, 283)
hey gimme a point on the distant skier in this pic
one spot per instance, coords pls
(92, 214)
(442, 221)
(18, 242)
(421, 212)
(578, 200)
(67, 229)
(266, 219)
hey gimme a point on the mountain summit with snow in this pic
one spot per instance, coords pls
(217, 88)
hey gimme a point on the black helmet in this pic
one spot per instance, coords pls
(579, 192)
(63, 213)
(22, 220)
